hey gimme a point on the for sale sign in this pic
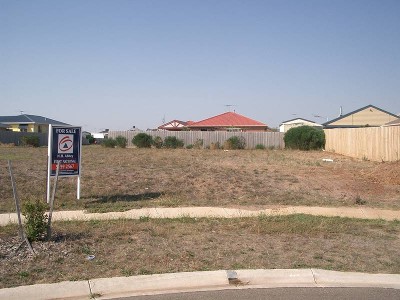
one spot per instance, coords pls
(65, 148)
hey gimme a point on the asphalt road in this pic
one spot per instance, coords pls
(282, 293)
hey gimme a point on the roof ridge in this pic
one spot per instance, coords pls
(28, 117)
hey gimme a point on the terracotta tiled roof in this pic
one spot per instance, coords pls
(228, 119)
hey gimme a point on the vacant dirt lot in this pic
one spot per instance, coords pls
(146, 246)
(121, 179)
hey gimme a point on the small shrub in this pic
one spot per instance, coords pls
(142, 140)
(260, 147)
(158, 142)
(190, 146)
(198, 144)
(235, 143)
(30, 140)
(36, 219)
(172, 142)
(304, 138)
(121, 141)
(109, 143)
(215, 146)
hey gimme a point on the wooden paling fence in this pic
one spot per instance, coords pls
(267, 139)
(372, 143)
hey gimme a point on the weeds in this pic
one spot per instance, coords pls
(36, 219)
(360, 201)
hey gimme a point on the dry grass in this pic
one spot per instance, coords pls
(146, 246)
(121, 179)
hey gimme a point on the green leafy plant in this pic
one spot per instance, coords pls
(172, 142)
(158, 142)
(109, 143)
(30, 140)
(91, 139)
(235, 143)
(142, 140)
(36, 219)
(304, 138)
(121, 141)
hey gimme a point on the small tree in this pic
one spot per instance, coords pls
(235, 143)
(142, 140)
(304, 138)
(121, 141)
(91, 139)
(36, 219)
(173, 142)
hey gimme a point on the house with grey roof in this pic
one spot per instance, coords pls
(29, 123)
(367, 116)
(286, 125)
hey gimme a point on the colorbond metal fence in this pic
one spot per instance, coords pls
(372, 143)
(267, 139)
(10, 137)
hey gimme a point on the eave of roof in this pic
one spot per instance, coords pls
(171, 122)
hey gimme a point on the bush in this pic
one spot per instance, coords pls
(109, 143)
(190, 146)
(30, 140)
(91, 139)
(121, 141)
(158, 142)
(172, 142)
(235, 143)
(35, 220)
(142, 140)
(260, 147)
(304, 138)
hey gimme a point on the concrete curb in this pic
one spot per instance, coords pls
(217, 212)
(61, 290)
(109, 288)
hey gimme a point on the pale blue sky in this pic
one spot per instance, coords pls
(114, 64)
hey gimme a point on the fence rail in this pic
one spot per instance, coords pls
(372, 143)
(267, 139)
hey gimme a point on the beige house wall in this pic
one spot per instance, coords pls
(369, 116)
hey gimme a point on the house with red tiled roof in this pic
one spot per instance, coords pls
(229, 121)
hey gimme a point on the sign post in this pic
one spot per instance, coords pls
(65, 143)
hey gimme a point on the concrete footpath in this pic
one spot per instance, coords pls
(109, 288)
(217, 212)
